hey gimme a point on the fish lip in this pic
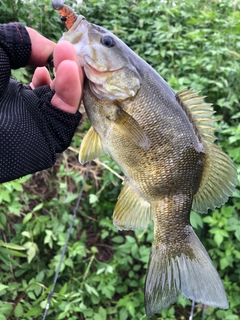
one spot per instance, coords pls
(95, 69)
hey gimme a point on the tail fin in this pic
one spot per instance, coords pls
(182, 268)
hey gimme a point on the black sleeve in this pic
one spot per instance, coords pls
(32, 130)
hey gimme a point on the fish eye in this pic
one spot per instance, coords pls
(108, 41)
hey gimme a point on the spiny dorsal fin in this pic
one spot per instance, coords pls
(201, 112)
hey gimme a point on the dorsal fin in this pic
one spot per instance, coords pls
(199, 112)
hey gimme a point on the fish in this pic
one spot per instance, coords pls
(163, 142)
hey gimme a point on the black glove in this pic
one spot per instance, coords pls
(32, 130)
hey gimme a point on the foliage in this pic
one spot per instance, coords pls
(190, 43)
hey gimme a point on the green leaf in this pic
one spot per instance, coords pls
(14, 286)
(70, 197)
(63, 289)
(18, 311)
(34, 312)
(118, 239)
(90, 289)
(208, 220)
(88, 312)
(224, 263)
(12, 253)
(134, 250)
(236, 193)
(15, 208)
(31, 250)
(43, 304)
(26, 234)
(11, 246)
(6, 308)
(123, 314)
(17, 186)
(3, 287)
(130, 239)
(196, 220)
(38, 207)
(6, 259)
(237, 232)
(5, 196)
(69, 262)
(31, 295)
(93, 198)
(218, 238)
(232, 317)
(27, 218)
(3, 220)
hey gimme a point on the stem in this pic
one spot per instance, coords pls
(88, 267)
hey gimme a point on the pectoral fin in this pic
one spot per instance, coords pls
(131, 211)
(91, 147)
(218, 181)
(128, 126)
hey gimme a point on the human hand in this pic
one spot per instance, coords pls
(42, 48)
(69, 78)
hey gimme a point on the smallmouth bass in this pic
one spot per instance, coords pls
(163, 143)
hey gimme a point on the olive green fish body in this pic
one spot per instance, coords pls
(171, 140)
(163, 142)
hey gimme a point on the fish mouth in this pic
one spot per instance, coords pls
(96, 76)
(98, 69)
(77, 32)
(77, 35)
(99, 85)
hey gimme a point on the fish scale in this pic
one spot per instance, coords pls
(158, 123)
(163, 143)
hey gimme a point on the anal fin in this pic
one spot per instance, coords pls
(131, 211)
(91, 147)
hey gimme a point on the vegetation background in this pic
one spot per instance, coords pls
(190, 43)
